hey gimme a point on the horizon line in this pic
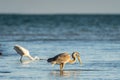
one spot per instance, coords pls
(59, 13)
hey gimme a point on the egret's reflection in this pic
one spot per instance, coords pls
(26, 61)
(29, 61)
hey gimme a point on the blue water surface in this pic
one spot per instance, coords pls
(95, 37)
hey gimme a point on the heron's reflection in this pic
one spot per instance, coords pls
(65, 73)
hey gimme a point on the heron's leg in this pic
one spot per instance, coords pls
(53, 65)
(62, 66)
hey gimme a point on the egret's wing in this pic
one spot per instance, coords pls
(21, 50)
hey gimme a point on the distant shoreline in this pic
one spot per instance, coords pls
(59, 14)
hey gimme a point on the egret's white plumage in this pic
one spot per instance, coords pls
(64, 58)
(23, 52)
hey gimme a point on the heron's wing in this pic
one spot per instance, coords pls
(60, 58)
(63, 58)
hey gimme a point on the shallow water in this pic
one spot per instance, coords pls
(95, 37)
(100, 61)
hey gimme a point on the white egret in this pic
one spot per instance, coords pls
(24, 52)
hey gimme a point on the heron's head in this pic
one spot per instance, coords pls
(76, 54)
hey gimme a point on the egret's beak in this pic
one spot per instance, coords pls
(79, 59)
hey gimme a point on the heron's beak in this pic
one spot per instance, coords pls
(79, 59)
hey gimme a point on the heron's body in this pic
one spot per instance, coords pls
(64, 58)
(23, 52)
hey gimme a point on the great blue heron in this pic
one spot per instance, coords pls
(64, 58)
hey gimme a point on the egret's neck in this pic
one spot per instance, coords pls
(30, 57)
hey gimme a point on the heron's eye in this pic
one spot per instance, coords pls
(77, 54)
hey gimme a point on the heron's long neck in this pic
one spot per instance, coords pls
(73, 60)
